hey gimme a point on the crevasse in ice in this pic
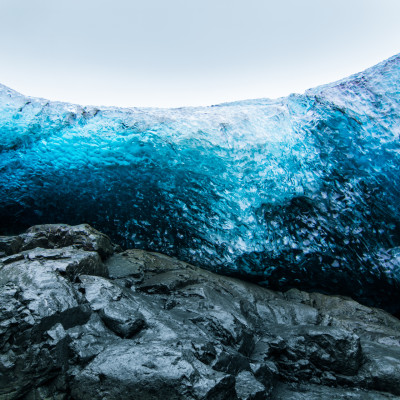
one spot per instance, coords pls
(299, 191)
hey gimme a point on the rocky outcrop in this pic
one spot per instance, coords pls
(80, 319)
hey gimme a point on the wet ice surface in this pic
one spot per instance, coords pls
(299, 191)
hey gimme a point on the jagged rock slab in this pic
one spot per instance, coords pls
(160, 328)
(53, 236)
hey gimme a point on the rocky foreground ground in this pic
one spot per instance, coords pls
(81, 319)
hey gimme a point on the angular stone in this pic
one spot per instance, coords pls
(99, 292)
(122, 320)
(125, 265)
(249, 388)
(266, 373)
(67, 261)
(36, 306)
(381, 368)
(61, 235)
(89, 339)
(306, 391)
(118, 309)
(137, 372)
(301, 351)
(9, 245)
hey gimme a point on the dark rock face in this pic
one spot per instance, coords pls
(80, 321)
(53, 236)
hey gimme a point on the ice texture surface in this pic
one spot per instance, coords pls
(299, 191)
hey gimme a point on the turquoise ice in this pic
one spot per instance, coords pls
(298, 191)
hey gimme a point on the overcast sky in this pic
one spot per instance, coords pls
(172, 53)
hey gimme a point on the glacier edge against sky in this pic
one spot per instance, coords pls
(299, 191)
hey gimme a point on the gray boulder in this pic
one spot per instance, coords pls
(52, 236)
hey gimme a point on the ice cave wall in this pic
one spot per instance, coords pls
(299, 191)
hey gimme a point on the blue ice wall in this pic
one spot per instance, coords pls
(299, 191)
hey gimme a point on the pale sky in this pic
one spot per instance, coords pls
(170, 53)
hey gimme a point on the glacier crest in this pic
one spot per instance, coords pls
(299, 191)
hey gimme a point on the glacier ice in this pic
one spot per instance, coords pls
(298, 191)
